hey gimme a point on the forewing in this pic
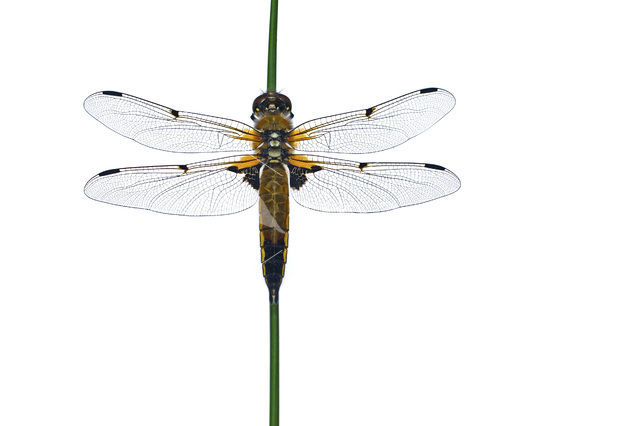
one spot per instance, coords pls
(208, 188)
(376, 128)
(336, 185)
(167, 129)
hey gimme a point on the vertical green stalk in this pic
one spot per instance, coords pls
(274, 376)
(274, 352)
(273, 38)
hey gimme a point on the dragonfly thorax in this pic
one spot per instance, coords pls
(275, 152)
(274, 146)
(274, 139)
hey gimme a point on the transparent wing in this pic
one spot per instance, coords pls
(164, 128)
(208, 188)
(376, 128)
(335, 185)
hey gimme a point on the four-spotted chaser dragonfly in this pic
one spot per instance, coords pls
(273, 164)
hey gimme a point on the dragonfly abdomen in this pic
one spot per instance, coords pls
(274, 224)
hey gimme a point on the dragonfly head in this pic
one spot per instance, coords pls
(271, 103)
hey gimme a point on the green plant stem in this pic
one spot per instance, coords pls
(273, 41)
(274, 376)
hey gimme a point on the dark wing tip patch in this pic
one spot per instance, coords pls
(111, 93)
(429, 90)
(174, 113)
(109, 172)
(183, 167)
(434, 166)
(369, 111)
(362, 165)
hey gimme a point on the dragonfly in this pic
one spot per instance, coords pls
(274, 161)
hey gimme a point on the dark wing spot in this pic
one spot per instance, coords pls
(252, 176)
(174, 112)
(362, 165)
(183, 167)
(111, 93)
(109, 172)
(429, 90)
(369, 111)
(434, 166)
(297, 175)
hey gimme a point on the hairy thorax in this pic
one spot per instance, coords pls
(274, 146)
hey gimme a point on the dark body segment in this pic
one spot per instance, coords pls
(274, 224)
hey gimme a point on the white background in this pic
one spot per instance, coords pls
(513, 302)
